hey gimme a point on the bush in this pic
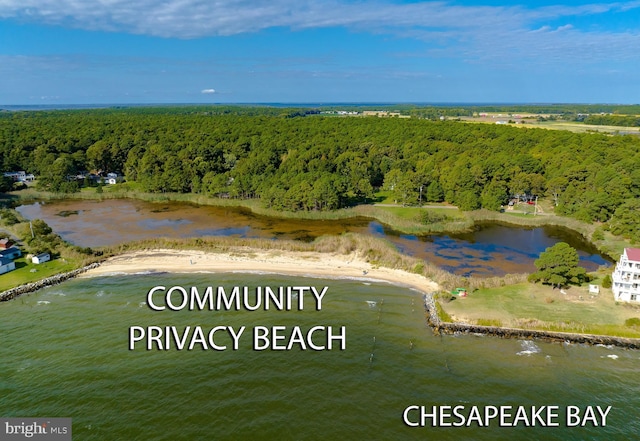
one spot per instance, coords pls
(445, 297)
(86, 250)
(8, 217)
(418, 268)
(598, 234)
(427, 217)
(633, 322)
(606, 281)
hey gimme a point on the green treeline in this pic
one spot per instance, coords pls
(613, 120)
(295, 162)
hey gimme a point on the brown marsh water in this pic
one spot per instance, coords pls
(492, 249)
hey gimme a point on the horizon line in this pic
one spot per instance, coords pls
(311, 103)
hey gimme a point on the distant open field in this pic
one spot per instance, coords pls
(532, 122)
(581, 128)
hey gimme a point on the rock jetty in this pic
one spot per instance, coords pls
(440, 327)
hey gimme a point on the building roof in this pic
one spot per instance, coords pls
(633, 254)
(5, 261)
(9, 251)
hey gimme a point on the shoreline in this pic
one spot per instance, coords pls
(249, 260)
(27, 288)
(321, 265)
(313, 265)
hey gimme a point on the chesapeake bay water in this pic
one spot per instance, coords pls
(64, 353)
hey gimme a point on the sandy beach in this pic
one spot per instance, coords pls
(307, 264)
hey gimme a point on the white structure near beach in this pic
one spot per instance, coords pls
(626, 276)
(41, 258)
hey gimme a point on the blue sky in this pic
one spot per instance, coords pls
(258, 51)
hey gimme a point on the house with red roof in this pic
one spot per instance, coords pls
(5, 243)
(626, 276)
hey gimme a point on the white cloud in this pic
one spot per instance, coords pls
(478, 33)
(199, 18)
(206, 91)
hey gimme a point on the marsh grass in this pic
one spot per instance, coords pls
(375, 250)
(489, 322)
(409, 220)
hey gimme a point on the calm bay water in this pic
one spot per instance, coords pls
(490, 250)
(64, 353)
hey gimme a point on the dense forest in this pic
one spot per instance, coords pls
(293, 159)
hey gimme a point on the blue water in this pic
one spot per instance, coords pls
(65, 353)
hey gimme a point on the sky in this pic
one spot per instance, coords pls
(318, 51)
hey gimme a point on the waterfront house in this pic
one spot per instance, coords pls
(6, 265)
(41, 258)
(626, 276)
(112, 178)
(18, 176)
(11, 253)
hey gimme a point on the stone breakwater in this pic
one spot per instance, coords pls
(432, 312)
(440, 327)
(53, 280)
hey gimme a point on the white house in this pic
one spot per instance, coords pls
(20, 176)
(41, 258)
(112, 178)
(626, 276)
(6, 265)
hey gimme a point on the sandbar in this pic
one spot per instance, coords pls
(305, 264)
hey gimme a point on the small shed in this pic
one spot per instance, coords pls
(6, 265)
(594, 289)
(41, 258)
(460, 292)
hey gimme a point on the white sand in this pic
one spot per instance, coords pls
(307, 264)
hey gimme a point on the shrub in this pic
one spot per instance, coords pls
(418, 268)
(427, 217)
(633, 322)
(9, 217)
(606, 281)
(598, 234)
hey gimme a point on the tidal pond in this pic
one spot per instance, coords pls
(491, 249)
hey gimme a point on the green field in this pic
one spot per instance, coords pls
(537, 306)
(27, 272)
(571, 126)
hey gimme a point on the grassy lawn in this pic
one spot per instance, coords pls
(536, 306)
(23, 272)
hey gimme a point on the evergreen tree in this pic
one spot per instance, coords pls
(558, 266)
